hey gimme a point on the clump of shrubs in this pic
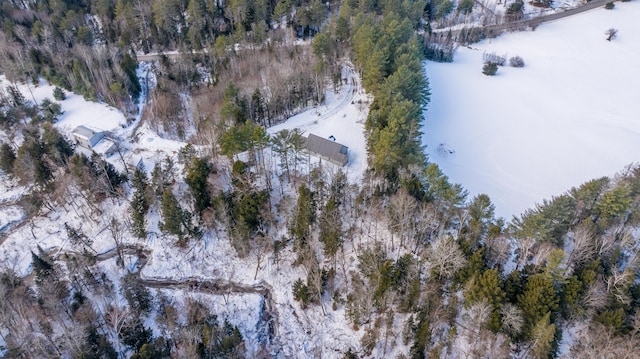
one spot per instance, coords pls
(490, 68)
(494, 58)
(609, 6)
(516, 61)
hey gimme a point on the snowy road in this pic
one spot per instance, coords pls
(494, 29)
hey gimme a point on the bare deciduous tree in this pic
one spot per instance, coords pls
(402, 208)
(497, 251)
(512, 320)
(583, 244)
(445, 257)
(597, 296)
(597, 341)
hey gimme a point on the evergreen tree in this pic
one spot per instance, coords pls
(613, 204)
(55, 145)
(42, 266)
(490, 68)
(162, 176)
(331, 229)
(488, 286)
(537, 299)
(172, 215)
(97, 345)
(139, 203)
(107, 173)
(7, 158)
(543, 335)
(301, 292)
(135, 335)
(234, 106)
(247, 212)
(465, 6)
(288, 145)
(303, 218)
(30, 164)
(58, 94)
(196, 178)
(129, 65)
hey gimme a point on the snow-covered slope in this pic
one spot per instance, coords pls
(301, 333)
(570, 115)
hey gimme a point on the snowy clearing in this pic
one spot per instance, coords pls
(570, 115)
(342, 115)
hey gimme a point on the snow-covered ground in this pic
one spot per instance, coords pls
(342, 115)
(301, 333)
(76, 110)
(570, 115)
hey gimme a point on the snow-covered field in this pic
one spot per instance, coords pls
(570, 115)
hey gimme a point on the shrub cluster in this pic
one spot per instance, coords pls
(494, 58)
(516, 61)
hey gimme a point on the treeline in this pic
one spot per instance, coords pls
(89, 46)
(55, 40)
(389, 55)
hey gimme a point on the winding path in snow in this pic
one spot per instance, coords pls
(348, 92)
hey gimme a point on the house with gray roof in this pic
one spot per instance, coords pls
(87, 137)
(327, 150)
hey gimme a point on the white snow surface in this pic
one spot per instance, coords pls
(342, 115)
(570, 115)
(76, 110)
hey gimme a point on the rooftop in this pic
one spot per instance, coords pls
(85, 132)
(330, 150)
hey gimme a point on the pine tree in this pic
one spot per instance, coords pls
(196, 178)
(490, 68)
(128, 64)
(42, 267)
(58, 94)
(55, 145)
(613, 204)
(139, 207)
(7, 158)
(247, 213)
(303, 218)
(172, 215)
(537, 299)
(542, 337)
(488, 286)
(162, 176)
(289, 146)
(331, 229)
(234, 106)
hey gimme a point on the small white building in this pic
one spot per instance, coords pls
(87, 137)
(105, 147)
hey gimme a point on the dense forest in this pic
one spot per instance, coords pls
(418, 268)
